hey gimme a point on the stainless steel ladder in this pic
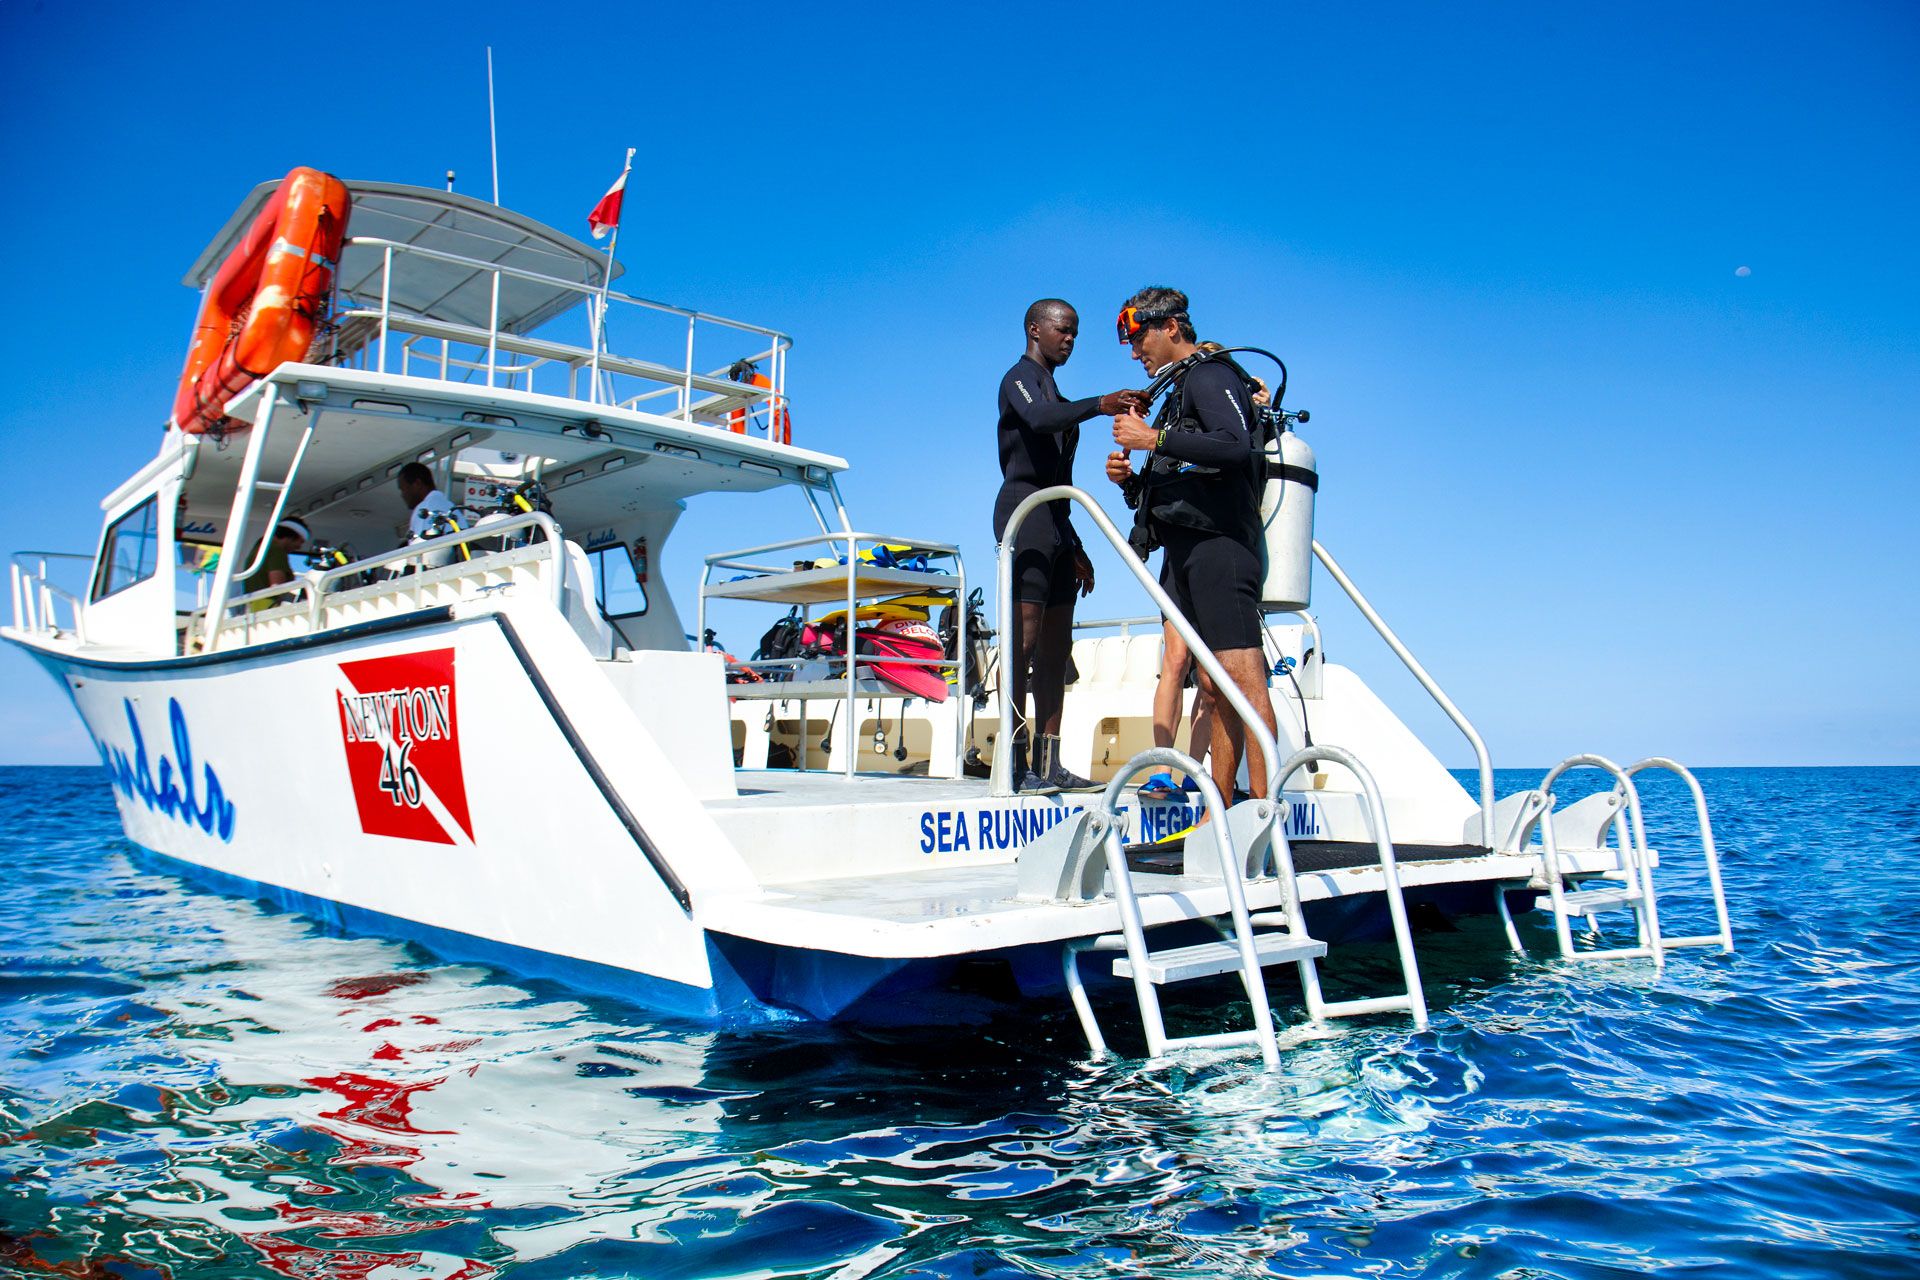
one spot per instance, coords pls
(1632, 886)
(1242, 946)
(1704, 826)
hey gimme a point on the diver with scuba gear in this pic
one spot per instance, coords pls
(1176, 668)
(1198, 498)
(1037, 435)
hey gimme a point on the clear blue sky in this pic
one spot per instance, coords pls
(1617, 496)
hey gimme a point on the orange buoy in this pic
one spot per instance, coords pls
(261, 307)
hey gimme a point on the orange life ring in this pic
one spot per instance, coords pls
(782, 424)
(262, 305)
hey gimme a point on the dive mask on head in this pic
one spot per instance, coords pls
(1134, 319)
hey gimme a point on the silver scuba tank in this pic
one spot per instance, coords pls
(1286, 522)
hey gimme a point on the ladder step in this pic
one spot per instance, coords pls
(1701, 940)
(1203, 960)
(1583, 901)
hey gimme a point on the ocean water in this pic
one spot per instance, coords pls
(196, 1086)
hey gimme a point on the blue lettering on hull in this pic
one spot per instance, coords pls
(1005, 827)
(132, 776)
(999, 827)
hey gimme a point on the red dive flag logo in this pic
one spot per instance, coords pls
(401, 731)
(606, 215)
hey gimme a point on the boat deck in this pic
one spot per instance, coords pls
(784, 788)
(943, 908)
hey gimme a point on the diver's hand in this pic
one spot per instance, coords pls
(1130, 431)
(1082, 571)
(1117, 469)
(1118, 402)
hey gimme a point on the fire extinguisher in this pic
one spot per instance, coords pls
(640, 560)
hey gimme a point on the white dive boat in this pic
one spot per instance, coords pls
(500, 742)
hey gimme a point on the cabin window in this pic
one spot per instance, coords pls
(131, 551)
(616, 586)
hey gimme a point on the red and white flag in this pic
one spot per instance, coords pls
(606, 215)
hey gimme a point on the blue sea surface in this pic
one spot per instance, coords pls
(198, 1086)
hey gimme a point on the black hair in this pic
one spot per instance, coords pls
(417, 473)
(1160, 300)
(1041, 308)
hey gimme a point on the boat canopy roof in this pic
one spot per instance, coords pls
(448, 223)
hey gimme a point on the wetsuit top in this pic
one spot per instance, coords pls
(1038, 434)
(1202, 477)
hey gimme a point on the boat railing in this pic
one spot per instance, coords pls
(36, 596)
(1309, 662)
(373, 329)
(1125, 626)
(1427, 682)
(843, 582)
(351, 592)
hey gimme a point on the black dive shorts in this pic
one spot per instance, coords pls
(1215, 581)
(1042, 557)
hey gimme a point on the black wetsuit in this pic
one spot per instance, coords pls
(1203, 506)
(1038, 434)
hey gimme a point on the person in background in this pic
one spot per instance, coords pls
(1200, 499)
(424, 500)
(276, 567)
(1038, 433)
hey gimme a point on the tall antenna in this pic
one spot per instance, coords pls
(493, 135)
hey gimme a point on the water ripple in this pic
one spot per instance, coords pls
(197, 1086)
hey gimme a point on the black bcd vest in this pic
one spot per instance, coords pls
(1219, 500)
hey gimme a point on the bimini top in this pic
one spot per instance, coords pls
(445, 222)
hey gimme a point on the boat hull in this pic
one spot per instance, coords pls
(414, 780)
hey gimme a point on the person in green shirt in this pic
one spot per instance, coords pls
(276, 569)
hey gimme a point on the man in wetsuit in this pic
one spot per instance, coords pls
(1038, 434)
(1201, 492)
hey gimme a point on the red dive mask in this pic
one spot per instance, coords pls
(1134, 319)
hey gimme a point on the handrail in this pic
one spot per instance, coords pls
(314, 587)
(1134, 927)
(34, 592)
(521, 273)
(1639, 872)
(223, 573)
(1415, 1001)
(1002, 781)
(1125, 624)
(1705, 823)
(722, 559)
(1312, 624)
(1426, 682)
(428, 546)
(33, 597)
(685, 376)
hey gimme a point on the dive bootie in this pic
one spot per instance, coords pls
(1025, 777)
(1058, 776)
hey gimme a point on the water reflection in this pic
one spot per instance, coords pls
(195, 1086)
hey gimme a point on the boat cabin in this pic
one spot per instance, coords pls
(463, 337)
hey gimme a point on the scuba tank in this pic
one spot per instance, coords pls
(1286, 515)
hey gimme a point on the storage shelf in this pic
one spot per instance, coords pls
(795, 690)
(824, 586)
